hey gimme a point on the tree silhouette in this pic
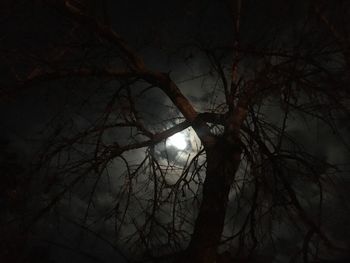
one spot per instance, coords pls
(246, 174)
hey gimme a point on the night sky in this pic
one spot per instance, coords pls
(89, 171)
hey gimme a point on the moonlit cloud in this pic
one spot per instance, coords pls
(178, 140)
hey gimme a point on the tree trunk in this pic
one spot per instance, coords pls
(223, 160)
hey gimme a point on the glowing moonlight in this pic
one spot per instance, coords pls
(178, 140)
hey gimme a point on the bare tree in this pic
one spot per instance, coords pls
(241, 172)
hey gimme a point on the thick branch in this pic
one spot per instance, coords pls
(118, 150)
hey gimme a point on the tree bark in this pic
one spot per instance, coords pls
(223, 160)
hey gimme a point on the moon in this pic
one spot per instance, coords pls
(178, 140)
